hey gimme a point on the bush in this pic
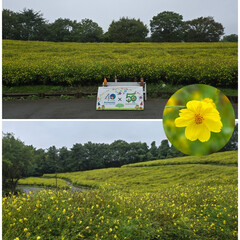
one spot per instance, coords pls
(32, 63)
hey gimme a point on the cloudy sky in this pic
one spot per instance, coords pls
(43, 134)
(104, 11)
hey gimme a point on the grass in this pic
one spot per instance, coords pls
(153, 90)
(48, 182)
(48, 89)
(86, 64)
(191, 200)
(152, 178)
(225, 158)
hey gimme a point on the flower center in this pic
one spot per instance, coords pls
(198, 118)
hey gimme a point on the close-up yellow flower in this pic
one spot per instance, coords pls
(200, 119)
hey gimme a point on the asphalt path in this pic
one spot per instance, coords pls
(79, 109)
(76, 109)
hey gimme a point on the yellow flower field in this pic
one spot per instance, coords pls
(182, 201)
(32, 63)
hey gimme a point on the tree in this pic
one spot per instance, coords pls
(9, 21)
(173, 152)
(93, 156)
(163, 149)
(77, 158)
(118, 150)
(16, 162)
(136, 152)
(153, 151)
(167, 27)
(64, 157)
(61, 30)
(127, 30)
(230, 38)
(88, 31)
(31, 25)
(52, 160)
(203, 29)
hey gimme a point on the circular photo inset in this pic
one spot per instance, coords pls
(198, 120)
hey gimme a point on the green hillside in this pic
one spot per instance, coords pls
(189, 198)
(225, 158)
(48, 63)
(153, 175)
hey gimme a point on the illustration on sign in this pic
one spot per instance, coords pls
(120, 98)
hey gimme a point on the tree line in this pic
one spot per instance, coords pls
(20, 160)
(167, 26)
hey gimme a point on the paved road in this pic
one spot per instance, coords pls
(79, 109)
(76, 109)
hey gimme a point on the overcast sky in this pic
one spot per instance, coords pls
(43, 134)
(104, 11)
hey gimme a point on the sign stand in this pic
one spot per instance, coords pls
(121, 96)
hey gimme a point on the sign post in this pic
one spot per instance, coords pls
(120, 98)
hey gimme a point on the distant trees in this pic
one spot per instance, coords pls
(20, 160)
(89, 31)
(203, 29)
(16, 161)
(127, 30)
(166, 26)
(65, 30)
(62, 30)
(9, 25)
(26, 25)
(163, 149)
(230, 38)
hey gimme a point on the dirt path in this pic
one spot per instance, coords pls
(26, 189)
(74, 188)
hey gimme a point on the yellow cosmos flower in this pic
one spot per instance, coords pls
(209, 100)
(200, 119)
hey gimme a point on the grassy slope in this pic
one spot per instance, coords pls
(151, 176)
(35, 181)
(184, 201)
(41, 63)
(225, 158)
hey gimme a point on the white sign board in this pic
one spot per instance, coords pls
(120, 98)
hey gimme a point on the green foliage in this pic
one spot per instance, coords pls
(127, 30)
(146, 177)
(194, 211)
(34, 63)
(230, 38)
(233, 142)
(153, 151)
(16, 161)
(47, 182)
(167, 27)
(225, 158)
(203, 29)
(89, 31)
(186, 201)
(65, 30)
(163, 149)
(62, 30)
(25, 25)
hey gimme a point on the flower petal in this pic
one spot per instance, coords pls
(182, 122)
(204, 133)
(192, 131)
(213, 125)
(193, 105)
